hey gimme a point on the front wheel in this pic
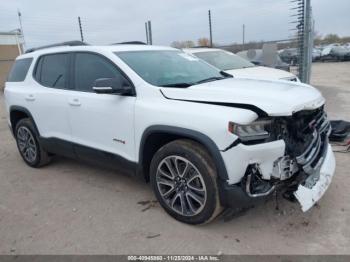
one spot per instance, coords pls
(184, 179)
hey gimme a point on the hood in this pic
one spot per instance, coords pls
(273, 98)
(261, 72)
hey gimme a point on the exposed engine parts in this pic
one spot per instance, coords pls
(255, 186)
(306, 138)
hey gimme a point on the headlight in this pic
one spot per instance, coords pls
(257, 130)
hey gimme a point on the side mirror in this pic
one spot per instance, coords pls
(111, 86)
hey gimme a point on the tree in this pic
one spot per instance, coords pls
(182, 44)
(331, 38)
(203, 41)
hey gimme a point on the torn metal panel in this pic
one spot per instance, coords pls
(308, 196)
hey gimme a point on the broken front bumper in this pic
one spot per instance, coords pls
(307, 189)
(313, 188)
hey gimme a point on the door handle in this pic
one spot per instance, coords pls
(74, 102)
(30, 97)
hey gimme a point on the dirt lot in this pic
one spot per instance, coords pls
(73, 208)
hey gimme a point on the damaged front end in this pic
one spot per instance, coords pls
(307, 166)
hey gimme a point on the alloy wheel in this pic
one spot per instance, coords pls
(181, 185)
(26, 144)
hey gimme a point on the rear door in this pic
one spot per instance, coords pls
(47, 100)
(101, 123)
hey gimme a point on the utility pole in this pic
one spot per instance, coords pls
(81, 29)
(210, 30)
(305, 34)
(21, 27)
(146, 27)
(243, 36)
(150, 32)
(308, 31)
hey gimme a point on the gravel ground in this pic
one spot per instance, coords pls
(73, 208)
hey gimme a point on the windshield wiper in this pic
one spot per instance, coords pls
(178, 85)
(210, 79)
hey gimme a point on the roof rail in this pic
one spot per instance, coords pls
(131, 43)
(68, 43)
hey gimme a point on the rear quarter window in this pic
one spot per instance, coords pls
(19, 70)
(52, 70)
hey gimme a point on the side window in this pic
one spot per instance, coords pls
(52, 70)
(19, 70)
(89, 67)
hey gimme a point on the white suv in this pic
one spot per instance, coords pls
(203, 139)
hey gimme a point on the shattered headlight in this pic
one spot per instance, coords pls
(257, 130)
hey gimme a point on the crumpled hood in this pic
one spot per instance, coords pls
(261, 72)
(275, 98)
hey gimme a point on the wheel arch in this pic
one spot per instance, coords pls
(154, 137)
(17, 113)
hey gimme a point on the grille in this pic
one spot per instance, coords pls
(313, 156)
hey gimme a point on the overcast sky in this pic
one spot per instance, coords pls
(109, 21)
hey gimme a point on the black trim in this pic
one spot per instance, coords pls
(131, 43)
(70, 71)
(257, 110)
(235, 197)
(23, 110)
(39, 63)
(88, 154)
(127, 78)
(235, 143)
(188, 133)
(68, 43)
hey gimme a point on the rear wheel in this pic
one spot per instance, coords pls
(184, 180)
(28, 145)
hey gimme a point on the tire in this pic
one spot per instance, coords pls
(189, 192)
(28, 144)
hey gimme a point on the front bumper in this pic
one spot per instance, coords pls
(236, 197)
(309, 195)
(238, 158)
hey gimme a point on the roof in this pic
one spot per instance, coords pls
(11, 38)
(93, 48)
(9, 33)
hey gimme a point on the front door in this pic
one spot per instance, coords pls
(102, 124)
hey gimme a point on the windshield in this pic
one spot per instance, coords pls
(169, 67)
(224, 60)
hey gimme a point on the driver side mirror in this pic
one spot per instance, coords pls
(111, 86)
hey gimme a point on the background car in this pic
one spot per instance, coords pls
(316, 54)
(238, 66)
(335, 52)
(256, 56)
(289, 56)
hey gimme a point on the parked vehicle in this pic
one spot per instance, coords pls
(289, 56)
(238, 66)
(204, 140)
(337, 53)
(256, 57)
(316, 54)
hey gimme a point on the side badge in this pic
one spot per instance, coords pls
(119, 141)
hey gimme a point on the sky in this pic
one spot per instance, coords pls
(111, 21)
